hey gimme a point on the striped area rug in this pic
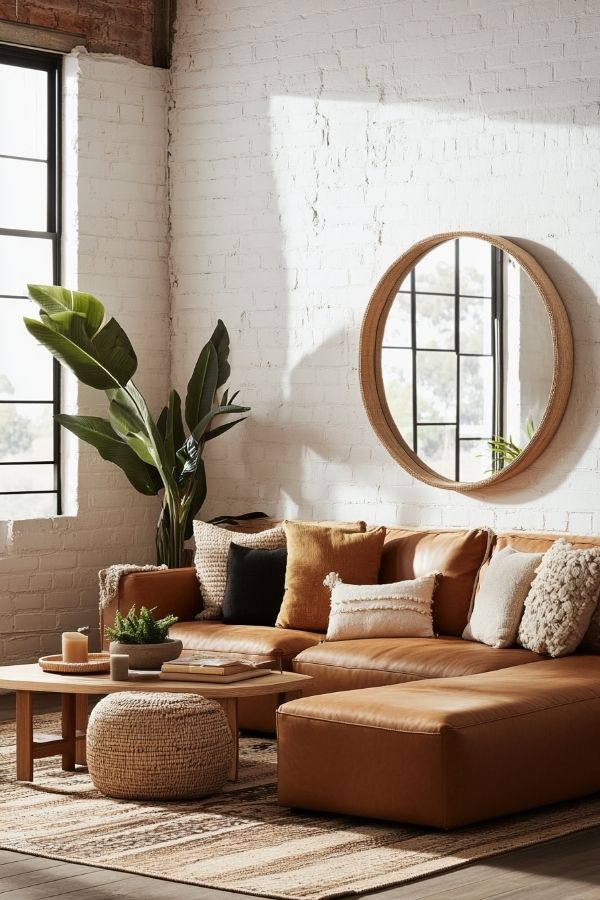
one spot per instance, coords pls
(240, 839)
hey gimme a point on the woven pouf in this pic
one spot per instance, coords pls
(151, 746)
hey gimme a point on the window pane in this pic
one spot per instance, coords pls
(435, 322)
(26, 478)
(396, 370)
(435, 272)
(397, 327)
(476, 396)
(436, 387)
(475, 325)
(25, 366)
(27, 506)
(23, 192)
(25, 431)
(475, 460)
(436, 447)
(23, 112)
(475, 258)
(24, 261)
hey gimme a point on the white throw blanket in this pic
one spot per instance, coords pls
(109, 579)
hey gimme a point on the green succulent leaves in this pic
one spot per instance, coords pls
(153, 455)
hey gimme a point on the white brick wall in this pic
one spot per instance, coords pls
(115, 221)
(311, 143)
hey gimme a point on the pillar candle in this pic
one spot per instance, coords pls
(119, 667)
(74, 647)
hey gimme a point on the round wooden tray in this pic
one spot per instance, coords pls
(97, 662)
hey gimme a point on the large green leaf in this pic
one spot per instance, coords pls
(100, 434)
(113, 349)
(54, 300)
(130, 415)
(220, 341)
(174, 437)
(199, 431)
(125, 419)
(202, 386)
(221, 429)
(69, 351)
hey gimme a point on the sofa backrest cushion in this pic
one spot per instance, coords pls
(456, 555)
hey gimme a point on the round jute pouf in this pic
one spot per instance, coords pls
(151, 746)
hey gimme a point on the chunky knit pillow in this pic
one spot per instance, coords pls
(212, 548)
(561, 601)
(400, 609)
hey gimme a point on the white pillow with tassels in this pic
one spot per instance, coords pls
(399, 609)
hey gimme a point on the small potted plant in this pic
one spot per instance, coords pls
(143, 638)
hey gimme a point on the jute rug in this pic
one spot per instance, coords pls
(240, 839)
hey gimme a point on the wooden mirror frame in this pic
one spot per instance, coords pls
(371, 382)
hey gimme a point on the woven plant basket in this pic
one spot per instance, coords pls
(158, 746)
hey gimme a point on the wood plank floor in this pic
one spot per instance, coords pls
(565, 869)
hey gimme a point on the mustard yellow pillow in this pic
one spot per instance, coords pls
(313, 552)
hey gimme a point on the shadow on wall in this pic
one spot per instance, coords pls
(304, 160)
(310, 442)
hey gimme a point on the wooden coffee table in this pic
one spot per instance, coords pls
(75, 689)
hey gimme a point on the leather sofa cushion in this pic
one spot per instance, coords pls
(260, 641)
(348, 665)
(539, 542)
(446, 752)
(456, 555)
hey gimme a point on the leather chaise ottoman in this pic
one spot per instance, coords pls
(446, 752)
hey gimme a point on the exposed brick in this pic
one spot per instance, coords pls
(91, 19)
(440, 114)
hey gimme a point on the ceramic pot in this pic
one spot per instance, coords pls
(148, 656)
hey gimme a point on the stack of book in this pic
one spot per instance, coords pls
(221, 669)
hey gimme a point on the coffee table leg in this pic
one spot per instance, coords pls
(231, 711)
(24, 736)
(68, 731)
(81, 721)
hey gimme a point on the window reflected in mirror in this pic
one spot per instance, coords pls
(466, 359)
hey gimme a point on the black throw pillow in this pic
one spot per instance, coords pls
(255, 585)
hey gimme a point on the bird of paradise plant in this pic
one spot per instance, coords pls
(155, 456)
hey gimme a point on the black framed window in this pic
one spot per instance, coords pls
(443, 348)
(30, 81)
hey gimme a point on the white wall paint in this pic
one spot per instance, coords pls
(115, 222)
(311, 144)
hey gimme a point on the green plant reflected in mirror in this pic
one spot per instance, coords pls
(465, 344)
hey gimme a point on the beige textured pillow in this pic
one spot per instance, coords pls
(562, 599)
(500, 598)
(315, 550)
(400, 609)
(212, 547)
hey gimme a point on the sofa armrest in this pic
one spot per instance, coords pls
(170, 590)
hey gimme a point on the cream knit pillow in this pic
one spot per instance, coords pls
(562, 600)
(500, 598)
(400, 609)
(212, 548)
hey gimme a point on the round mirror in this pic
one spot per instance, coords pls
(466, 360)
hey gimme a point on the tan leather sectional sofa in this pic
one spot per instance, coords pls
(433, 731)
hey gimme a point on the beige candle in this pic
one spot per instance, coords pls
(74, 647)
(119, 667)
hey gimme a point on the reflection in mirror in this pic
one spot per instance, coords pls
(467, 359)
